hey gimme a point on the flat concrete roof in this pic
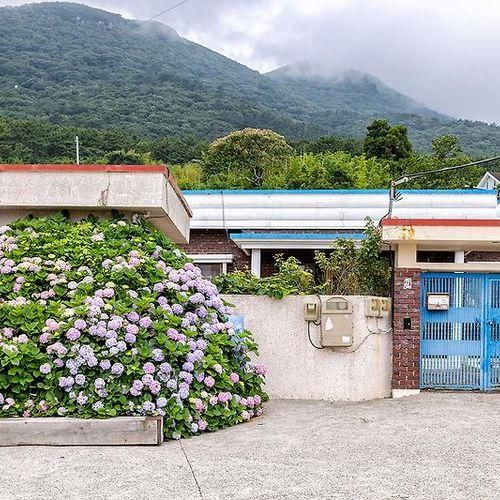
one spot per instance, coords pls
(149, 190)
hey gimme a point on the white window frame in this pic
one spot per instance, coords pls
(213, 258)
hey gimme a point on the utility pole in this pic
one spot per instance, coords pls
(77, 142)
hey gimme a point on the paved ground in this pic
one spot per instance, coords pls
(432, 446)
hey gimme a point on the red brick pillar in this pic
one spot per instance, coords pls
(406, 329)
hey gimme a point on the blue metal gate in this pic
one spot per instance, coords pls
(460, 346)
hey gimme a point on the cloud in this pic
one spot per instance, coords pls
(442, 53)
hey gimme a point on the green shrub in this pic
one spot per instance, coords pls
(349, 269)
(107, 317)
(290, 279)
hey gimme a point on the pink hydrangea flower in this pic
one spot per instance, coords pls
(209, 381)
(149, 368)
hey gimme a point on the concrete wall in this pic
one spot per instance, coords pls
(144, 189)
(296, 370)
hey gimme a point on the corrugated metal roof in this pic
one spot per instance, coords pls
(331, 209)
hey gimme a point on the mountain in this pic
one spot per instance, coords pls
(70, 64)
(351, 91)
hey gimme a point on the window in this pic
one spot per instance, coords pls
(212, 264)
(209, 270)
(439, 256)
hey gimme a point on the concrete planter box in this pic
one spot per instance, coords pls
(61, 431)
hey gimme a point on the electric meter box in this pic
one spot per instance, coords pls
(438, 301)
(311, 311)
(385, 307)
(336, 322)
(372, 307)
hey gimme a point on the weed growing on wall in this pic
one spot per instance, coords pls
(100, 318)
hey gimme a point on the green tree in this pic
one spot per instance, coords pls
(249, 155)
(172, 150)
(328, 144)
(386, 142)
(123, 157)
(446, 146)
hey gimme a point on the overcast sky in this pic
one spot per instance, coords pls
(444, 53)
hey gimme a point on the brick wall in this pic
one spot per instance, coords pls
(216, 241)
(406, 342)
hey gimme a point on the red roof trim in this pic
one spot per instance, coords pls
(83, 168)
(442, 222)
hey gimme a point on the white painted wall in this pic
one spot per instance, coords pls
(296, 370)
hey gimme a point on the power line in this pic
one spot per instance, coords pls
(138, 25)
(394, 196)
(135, 26)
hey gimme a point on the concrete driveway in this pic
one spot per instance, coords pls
(432, 446)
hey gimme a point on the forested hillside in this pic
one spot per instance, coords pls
(72, 65)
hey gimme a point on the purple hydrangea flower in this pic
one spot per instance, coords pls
(99, 383)
(177, 309)
(234, 377)
(158, 355)
(148, 406)
(188, 366)
(130, 338)
(132, 329)
(73, 334)
(108, 293)
(80, 324)
(105, 364)
(145, 322)
(202, 425)
(161, 402)
(155, 387)
(44, 338)
(82, 399)
(165, 368)
(224, 397)
(45, 368)
(133, 316)
(183, 393)
(117, 369)
(80, 379)
(137, 385)
(149, 367)
(201, 344)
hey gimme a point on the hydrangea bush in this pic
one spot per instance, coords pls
(100, 318)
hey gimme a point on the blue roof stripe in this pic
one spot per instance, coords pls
(336, 191)
(297, 236)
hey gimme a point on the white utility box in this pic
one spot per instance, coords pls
(438, 301)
